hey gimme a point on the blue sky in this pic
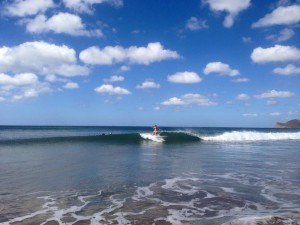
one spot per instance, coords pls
(127, 62)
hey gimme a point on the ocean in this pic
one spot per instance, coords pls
(122, 175)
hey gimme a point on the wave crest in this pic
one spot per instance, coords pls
(239, 136)
(167, 137)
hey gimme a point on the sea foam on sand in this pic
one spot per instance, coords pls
(290, 219)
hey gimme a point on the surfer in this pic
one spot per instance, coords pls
(155, 130)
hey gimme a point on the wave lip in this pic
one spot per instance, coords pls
(148, 136)
(171, 137)
(238, 136)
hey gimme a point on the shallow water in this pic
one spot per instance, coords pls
(72, 176)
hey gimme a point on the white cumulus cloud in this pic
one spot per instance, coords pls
(195, 24)
(154, 52)
(278, 53)
(41, 58)
(125, 68)
(284, 35)
(114, 78)
(243, 97)
(173, 101)
(184, 77)
(106, 56)
(85, 6)
(290, 69)
(28, 93)
(275, 114)
(188, 99)
(19, 79)
(250, 114)
(148, 84)
(109, 89)
(220, 68)
(21, 8)
(71, 85)
(61, 23)
(246, 40)
(294, 112)
(21, 86)
(71, 70)
(232, 7)
(275, 94)
(280, 16)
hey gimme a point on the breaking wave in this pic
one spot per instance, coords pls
(168, 137)
(240, 136)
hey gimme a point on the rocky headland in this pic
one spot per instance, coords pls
(290, 124)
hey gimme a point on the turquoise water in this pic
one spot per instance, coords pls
(115, 175)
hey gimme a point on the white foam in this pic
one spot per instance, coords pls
(226, 176)
(173, 185)
(142, 192)
(149, 136)
(181, 216)
(176, 211)
(178, 216)
(253, 220)
(21, 218)
(59, 214)
(228, 190)
(236, 136)
(99, 216)
(209, 195)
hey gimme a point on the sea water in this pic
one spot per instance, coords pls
(121, 175)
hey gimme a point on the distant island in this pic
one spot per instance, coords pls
(290, 124)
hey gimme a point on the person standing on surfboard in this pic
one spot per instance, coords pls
(155, 130)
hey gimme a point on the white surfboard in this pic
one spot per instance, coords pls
(149, 136)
